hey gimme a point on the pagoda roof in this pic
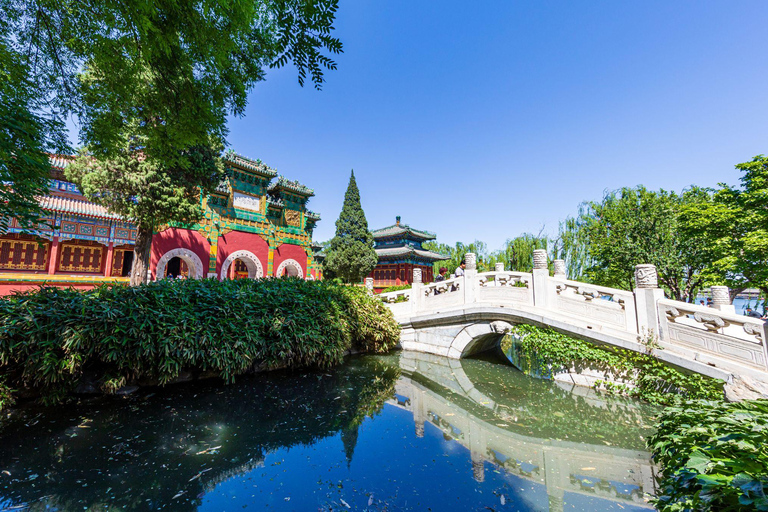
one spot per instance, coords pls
(312, 215)
(394, 252)
(247, 164)
(76, 207)
(293, 186)
(60, 161)
(402, 229)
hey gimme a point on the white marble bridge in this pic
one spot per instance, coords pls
(470, 314)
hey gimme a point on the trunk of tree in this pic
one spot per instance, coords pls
(141, 253)
(733, 292)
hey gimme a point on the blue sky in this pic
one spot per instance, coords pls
(484, 120)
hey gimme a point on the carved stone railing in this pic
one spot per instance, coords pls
(611, 307)
(706, 333)
(396, 296)
(514, 287)
(442, 287)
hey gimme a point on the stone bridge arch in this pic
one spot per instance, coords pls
(478, 337)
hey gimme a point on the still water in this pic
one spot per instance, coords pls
(382, 433)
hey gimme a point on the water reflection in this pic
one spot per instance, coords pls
(404, 432)
(569, 439)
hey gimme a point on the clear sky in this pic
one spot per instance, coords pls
(484, 120)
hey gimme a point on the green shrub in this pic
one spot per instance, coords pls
(51, 337)
(714, 456)
(373, 326)
(655, 382)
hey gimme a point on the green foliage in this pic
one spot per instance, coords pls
(148, 190)
(25, 136)
(545, 350)
(632, 226)
(373, 327)
(350, 254)
(6, 395)
(151, 85)
(51, 337)
(732, 224)
(713, 455)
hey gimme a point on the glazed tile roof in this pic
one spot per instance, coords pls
(76, 207)
(60, 161)
(256, 166)
(312, 215)
(402, 229)
(275, 202)
(291, 186)
(392, 252)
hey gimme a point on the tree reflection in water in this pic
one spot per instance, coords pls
(485, 436)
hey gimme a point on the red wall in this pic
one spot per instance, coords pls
(290, 252)
(242, 241)
(173, 238)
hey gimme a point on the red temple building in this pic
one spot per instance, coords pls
(399, 249)
(255, 224)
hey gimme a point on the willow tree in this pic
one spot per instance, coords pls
(350, 253)
(151, 83)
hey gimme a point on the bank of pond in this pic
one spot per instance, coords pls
(403, 431)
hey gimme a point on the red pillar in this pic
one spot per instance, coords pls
(110, 258)
(53, 256)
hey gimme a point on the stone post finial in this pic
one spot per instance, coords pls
(499, 267)
(721, 296)
(369, 284)
(646, 276)
(417, 275)
(560, 268)
(471, 260)
(539, 258)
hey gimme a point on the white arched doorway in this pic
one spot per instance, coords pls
(192, 260)
(251, 262)
(290, 268)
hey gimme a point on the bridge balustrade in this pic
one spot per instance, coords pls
(703, 336)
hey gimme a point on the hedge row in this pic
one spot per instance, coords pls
(52, 337)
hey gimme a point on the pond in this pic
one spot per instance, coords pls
(381, 433)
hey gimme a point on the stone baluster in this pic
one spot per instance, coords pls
(369, 285)
(470, 283)
(647, 295)
(417, 291)
(540, 277)
(499, 268)
(560, 270)
(721, 299)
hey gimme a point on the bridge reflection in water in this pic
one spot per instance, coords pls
(558, 436)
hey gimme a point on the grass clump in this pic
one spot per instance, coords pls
(50, 338)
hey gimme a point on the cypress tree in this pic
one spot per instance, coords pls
(350, 255)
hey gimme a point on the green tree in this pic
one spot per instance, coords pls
(148, 191)
(350, 254)
(26, 136)
(517, 254)
(732, 224)
(152, 83)
(636, 225)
